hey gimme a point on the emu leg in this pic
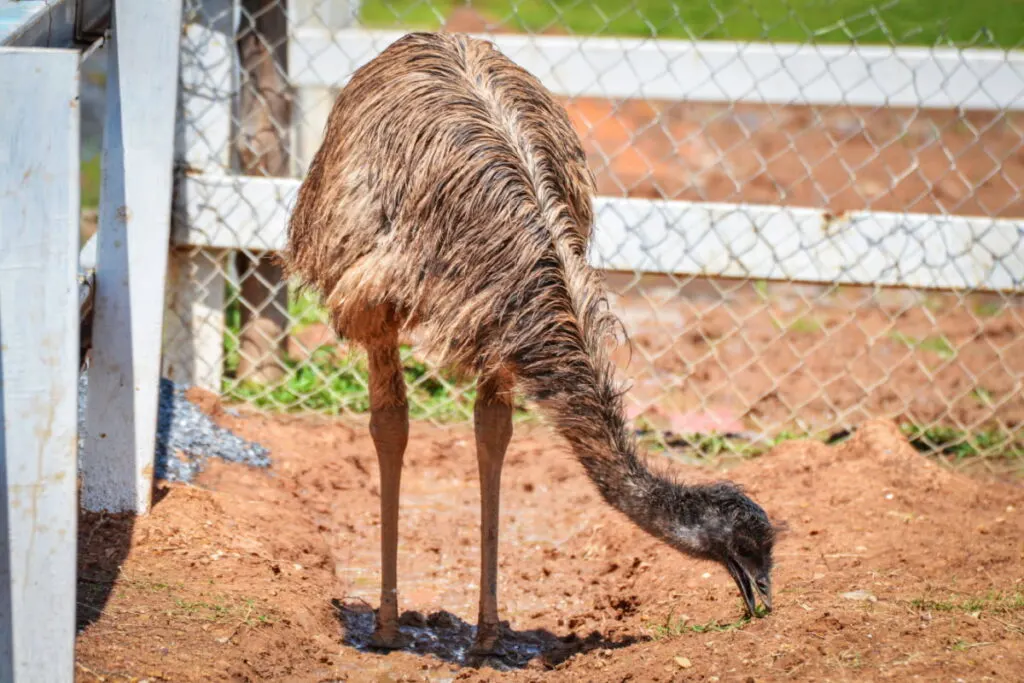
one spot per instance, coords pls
(493, 425)
(389, 427)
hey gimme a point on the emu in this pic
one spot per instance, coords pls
(451, 194)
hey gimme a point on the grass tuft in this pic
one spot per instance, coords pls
(995, 602)
(939, 345)
(961, 444)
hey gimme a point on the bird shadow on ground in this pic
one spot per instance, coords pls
(449, 638)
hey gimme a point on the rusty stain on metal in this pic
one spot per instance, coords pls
(124, 214)
(830, 220)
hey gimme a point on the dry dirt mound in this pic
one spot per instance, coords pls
(892, 567)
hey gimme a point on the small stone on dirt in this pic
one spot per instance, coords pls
(683, 662)
(862, 595)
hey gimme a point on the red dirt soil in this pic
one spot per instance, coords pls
(892, 567)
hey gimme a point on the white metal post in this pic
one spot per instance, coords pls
(134, 228)
(39, 206)
(194, 306)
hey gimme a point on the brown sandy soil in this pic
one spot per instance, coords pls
(835, 158)
(892, 568)
(821, 359)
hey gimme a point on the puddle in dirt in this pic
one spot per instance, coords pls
(449, 638)
(443, 635)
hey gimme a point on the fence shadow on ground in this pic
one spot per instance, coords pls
(449, 638)
(103, 543)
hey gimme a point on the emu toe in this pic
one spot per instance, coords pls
(487, 642)
(389, 638)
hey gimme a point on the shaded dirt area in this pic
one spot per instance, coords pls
(892, 567)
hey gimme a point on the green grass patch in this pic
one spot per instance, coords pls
(983, 396)
(713, 445)
(995, 602)
(803, 325)
(333, 382)
(677, 626)
(939, 345)
(305, 309)
(961, 444)
(335, 379)
(984, 23)
(989, 309)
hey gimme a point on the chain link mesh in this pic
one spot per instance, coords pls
(715, 364)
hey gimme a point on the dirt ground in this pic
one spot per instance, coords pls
(820, 359)
(892, 567)
(835, 158)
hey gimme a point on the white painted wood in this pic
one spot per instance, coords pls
(713, 71)
(134, 224)
(313, 104)
(39, 197)
(723, 240)
(234, 212)
(806, 245)
(208, 82)
(193, 343)
(193, 352)
(37, 23)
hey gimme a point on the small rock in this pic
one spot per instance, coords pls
(683, 662)
(859, 595)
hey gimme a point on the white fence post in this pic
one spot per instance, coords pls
(39, 207)
(134, 228)
(313, 103)
(194, 307)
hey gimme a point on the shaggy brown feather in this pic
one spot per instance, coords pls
(452, 194)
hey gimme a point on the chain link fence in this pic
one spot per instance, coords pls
(810, 215)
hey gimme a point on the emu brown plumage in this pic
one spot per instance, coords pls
(451, 194)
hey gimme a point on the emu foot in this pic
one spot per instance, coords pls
(388, 637)
(488, 641)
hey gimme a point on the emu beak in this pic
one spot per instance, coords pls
(764, 589)
(746, 586)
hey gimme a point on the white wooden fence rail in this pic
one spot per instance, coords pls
(660, 236)
(712, 71)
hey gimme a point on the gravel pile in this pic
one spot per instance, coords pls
(185, 436)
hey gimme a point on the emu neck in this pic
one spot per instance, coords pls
(669, 511)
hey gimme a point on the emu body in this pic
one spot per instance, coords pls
(452, 194)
